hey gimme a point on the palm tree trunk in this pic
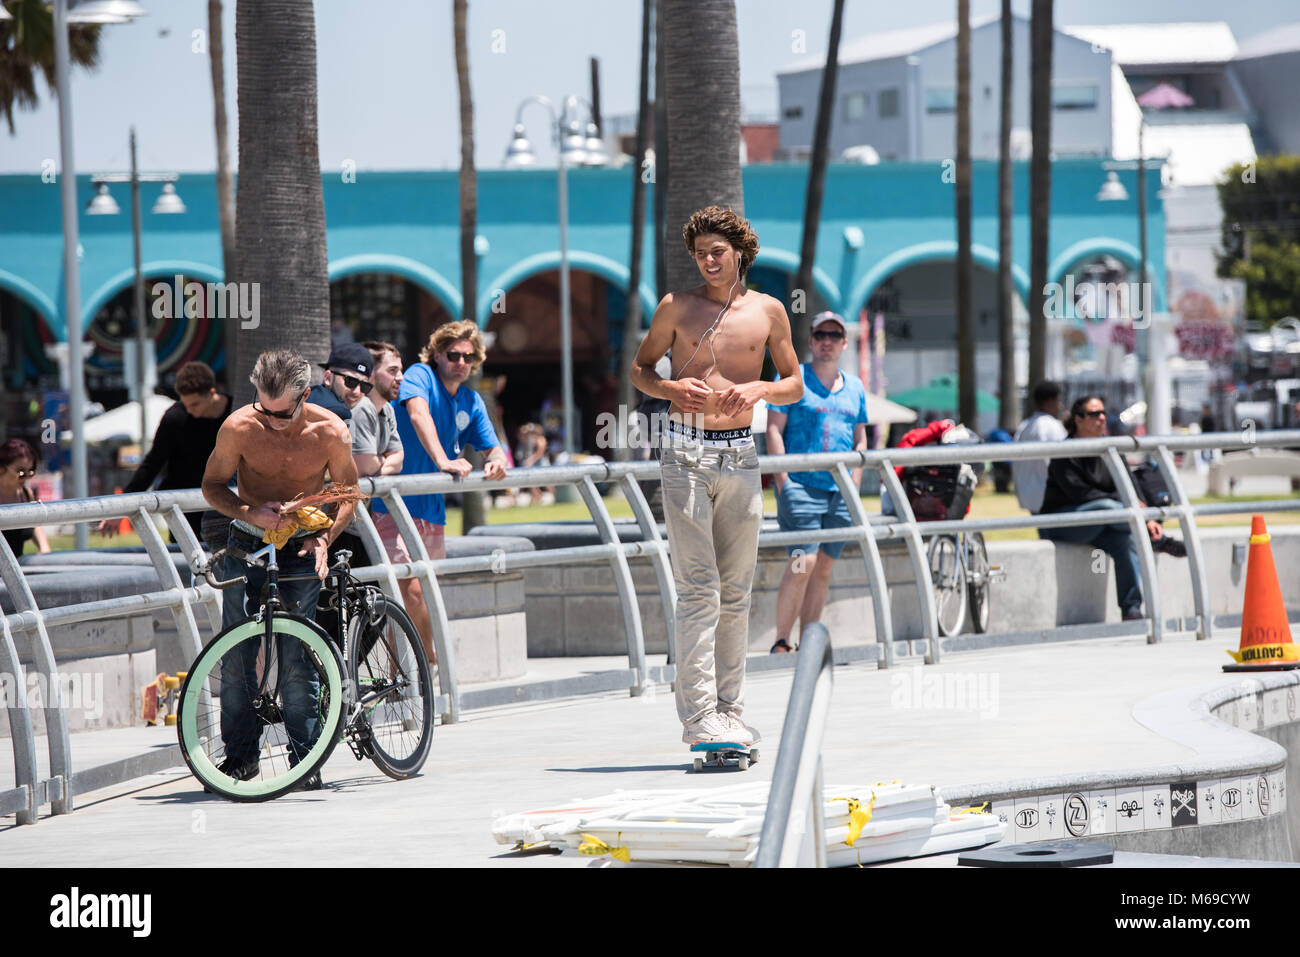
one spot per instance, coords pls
(632, 323)
(473, 510)
(280, 213)
(965, 316)
(1007, 411)
(1040, 183)
(661, 158)
(225, 178)
(702, 83)
(812, 208)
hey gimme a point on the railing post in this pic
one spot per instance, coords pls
(1123, 480)
(21, 735)
(169, 577)
(916, 552)
(192, 549)
(1192, 536)
(56, 719)
(871, 559)
(433, 603)
(622, 581)
(658, 557)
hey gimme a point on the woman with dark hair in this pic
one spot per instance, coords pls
(1084, 484)
(17, 465)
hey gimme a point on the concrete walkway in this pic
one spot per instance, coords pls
(1045, 710)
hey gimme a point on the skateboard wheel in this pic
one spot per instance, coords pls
(699, 764)
(742, 762)
(753, 755)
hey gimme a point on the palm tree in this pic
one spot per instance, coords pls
(812, 208)
(1007, 411)
(1040, 182)
(280, 221)
(225, 178)
(702, 87)
(27, 45)
(661, 159)
(965, 318)
(632, 323)
(473, 512)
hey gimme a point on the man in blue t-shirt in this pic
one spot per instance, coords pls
(437, 419)
(831, 417)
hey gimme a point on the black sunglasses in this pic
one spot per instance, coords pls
(257, 407)
(1094, 414)
(828, 336)
(465, 357)
(22, 473)
(352, 382)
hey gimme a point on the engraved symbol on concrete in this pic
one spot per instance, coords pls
(1027, 818)
(1158, 803)
(1051, 815)
(1264, 800)
(1184, 805)
(1130, 809)
(1290, 703)
(1076, 815)
(1231, 797)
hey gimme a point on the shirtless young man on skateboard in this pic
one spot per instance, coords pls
(281, 447)
(713, 501)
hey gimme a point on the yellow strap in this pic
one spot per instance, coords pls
(858, 818)
(1260, 539)
(595, 847)
(881, 784)
(975, 809)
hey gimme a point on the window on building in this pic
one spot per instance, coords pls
(941, 99)
(888, 102)
(855, 106)
(1074, 96)
(793, 112)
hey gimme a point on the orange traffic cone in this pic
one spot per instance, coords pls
(124, 524)
(1265, 633)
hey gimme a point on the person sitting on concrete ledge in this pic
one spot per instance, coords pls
(1084, 484)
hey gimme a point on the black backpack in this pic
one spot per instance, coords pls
(1151, 485)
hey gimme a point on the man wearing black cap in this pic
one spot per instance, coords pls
(346, 382)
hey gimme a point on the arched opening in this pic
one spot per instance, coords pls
(524, 322)
(384, 306)
(917, 307)
(28, 371)
(182, 321)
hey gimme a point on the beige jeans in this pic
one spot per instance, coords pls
(713, 507)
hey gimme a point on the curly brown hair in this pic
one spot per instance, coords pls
(451, 332)
(727, 224)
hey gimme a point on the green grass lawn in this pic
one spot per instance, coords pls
(986, 504)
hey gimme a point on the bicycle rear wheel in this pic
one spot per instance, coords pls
(261, 753)
(948, 577)
(394, 686)
(977, 581)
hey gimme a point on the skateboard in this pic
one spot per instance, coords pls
(723, 754)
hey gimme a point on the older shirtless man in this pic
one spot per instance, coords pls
(713, 501)
(279, 446)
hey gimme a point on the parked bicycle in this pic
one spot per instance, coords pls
(959, 563)
(370, 683)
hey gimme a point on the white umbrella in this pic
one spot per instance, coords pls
(124, 421)
(880, 411)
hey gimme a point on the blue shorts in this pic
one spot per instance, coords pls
(801, 508)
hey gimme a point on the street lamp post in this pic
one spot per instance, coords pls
(102, 11)
(167, 204)
(571, 147)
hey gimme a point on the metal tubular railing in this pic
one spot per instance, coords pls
(794, 801)
(26, 626)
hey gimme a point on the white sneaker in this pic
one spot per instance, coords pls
(741, 733)
(707, 728)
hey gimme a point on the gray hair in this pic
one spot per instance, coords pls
(281, 371)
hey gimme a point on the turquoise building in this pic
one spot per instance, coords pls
(887, 241)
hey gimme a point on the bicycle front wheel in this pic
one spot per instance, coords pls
(231, 721)
(948, 576)
(978, 581)
(394, 687)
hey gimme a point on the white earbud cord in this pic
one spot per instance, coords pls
(711, 333)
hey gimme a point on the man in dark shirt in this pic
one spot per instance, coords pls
(346, 382)
(184, 440)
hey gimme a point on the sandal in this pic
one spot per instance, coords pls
(781, 647)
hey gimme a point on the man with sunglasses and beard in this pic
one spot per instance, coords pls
(438, 417)
(279, 447)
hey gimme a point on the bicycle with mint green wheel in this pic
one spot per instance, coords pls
(368, 684)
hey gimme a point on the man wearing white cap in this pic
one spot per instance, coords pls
(830, 417)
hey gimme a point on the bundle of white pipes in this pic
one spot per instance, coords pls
(864, 823)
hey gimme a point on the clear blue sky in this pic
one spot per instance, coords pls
(387, 77)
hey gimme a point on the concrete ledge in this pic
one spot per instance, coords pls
(1228, 801)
